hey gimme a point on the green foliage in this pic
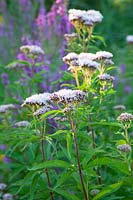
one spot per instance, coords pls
(72, 148)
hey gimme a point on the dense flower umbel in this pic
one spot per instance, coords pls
(83, 60)
(124, 148)
(70, 57)
(68, 96)
(125, 117)
(85, 63)
(87, 56)
(101, 55)
(37, 99)
(7, 196)
(22, 124)
(108, 62)
(7, 107)
(94, 192)
(2, 186)
(71, 37)
(129, 39)
(31, 49)
(106, 77)
(42, 110)
(82, 17)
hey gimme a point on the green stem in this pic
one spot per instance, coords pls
(94, 146)
(76, 78)
(43, 157)
(126, 134)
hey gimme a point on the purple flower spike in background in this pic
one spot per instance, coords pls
(128, 89)
(41, 19)
(3, 147)
(5, 80)
(6, 160)
(122, 68)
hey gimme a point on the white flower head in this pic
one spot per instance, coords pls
(7, 107)
(85, 62)
(60, 118)
(83, 17)
(42, 110)
(68, 96)
(106, 77)
(108, 62)
(94, 16)
(22, 124)
(94, 192)
(124, 147)
(119, 107)
(103, 55)
(129, 39)
(68, 109)
(32, 49)
(2, 186)
(125, 117)
(70, 57)
(70, 37)
(89, 56)
(7, 196)
(37, 99)
(75, 14)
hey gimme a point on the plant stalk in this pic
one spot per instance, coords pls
(94, 146)
(78, 159)
(126, 134)
(43, 157)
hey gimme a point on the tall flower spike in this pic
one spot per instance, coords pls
(68, 96)
(37, 99)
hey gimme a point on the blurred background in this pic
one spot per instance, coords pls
(44, 22)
